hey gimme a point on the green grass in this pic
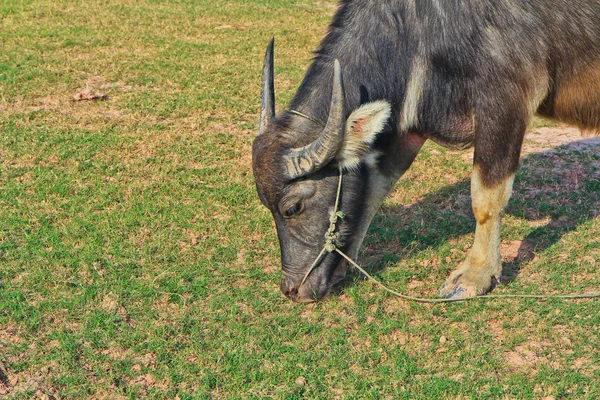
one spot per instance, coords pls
(136, 260)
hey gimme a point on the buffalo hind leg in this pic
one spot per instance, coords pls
(496, 160)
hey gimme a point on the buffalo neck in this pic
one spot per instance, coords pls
(375, 60)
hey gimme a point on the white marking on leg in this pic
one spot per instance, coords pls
(474, 275)
(488, 205)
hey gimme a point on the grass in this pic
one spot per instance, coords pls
(137, 262)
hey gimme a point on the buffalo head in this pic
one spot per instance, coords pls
(296, 161)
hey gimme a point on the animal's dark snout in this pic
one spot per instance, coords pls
(301, 293)
(289, 290)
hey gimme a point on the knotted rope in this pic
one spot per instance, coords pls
(331, 236)
(331, 245)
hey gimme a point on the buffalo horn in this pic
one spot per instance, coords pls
(267, 95)
(305, 160)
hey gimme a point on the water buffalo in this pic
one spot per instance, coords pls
(391, 74)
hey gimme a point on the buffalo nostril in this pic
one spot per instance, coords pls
(290, 292)
(291, 289)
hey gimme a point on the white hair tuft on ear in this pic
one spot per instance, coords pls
(362, 127)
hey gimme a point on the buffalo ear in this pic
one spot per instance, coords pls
(362, 127)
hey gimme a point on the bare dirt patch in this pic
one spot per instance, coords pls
(547, 139)
(517, 250)
(528, 357)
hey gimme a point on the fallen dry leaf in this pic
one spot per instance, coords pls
(89, 94)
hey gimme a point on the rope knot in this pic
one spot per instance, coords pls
(331, 240)
(331, 236)
(333, 217)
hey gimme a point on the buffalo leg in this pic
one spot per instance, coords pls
(495, 163)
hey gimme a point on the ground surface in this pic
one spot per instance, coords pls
(137, 262)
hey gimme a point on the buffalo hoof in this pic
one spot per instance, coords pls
(467, 282)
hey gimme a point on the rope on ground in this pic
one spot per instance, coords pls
(593, 295)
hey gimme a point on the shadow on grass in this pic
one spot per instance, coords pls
(554, 191)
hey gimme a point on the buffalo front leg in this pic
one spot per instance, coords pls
(483, 264)
(497, 149)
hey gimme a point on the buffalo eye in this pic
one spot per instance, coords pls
(294, 210)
